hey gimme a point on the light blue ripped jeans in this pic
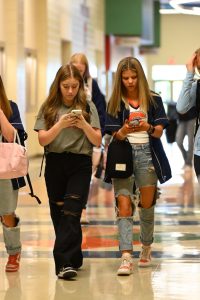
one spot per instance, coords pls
(8, 205)
(143, 175)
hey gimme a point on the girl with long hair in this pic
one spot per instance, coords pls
(68, 127)
(137, 114)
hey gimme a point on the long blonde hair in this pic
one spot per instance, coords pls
(119, 92)
(54, 100)
(81, 58)
(197, 69)
(197, 51)
(4, 102)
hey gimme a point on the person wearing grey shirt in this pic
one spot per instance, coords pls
(190, 97)
(68, 127)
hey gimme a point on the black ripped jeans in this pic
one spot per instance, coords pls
(67, 177)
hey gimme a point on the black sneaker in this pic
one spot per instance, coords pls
(67, 273)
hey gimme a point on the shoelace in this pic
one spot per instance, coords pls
(125, 262)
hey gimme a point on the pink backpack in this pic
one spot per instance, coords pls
(13, 159)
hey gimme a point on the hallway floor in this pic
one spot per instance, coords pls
(175, 273)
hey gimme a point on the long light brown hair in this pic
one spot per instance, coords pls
(119, 92)
(55, 99)
(4, 102)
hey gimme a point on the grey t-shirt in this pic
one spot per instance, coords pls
(70, 139)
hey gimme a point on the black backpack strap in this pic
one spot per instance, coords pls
(43, 157)
(100, 166)
(41, 167)
(31, 189)
(197, 106)
(87, 108)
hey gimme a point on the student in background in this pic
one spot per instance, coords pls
(92, 88)
(190, 97)
(185, 128)
(94, 94)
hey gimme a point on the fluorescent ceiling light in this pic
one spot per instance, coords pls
(183, 2)
(179, 8)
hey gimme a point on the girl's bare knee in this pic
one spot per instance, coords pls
(9, 220)
(124, 206)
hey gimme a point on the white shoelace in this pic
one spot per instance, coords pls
(125, 262)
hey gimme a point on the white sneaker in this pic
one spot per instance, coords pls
(126, 267)
(145, 257)
(67, 273)
(187, 167)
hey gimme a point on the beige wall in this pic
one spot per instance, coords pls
(35, 43)
(2, 16)
(179, 38)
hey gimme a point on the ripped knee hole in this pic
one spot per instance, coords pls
(72, 196)
(70, 213)
(60, 203)
(9, 220)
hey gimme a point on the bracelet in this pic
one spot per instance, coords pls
(151, 130)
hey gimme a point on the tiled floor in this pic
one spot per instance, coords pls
(175, 273)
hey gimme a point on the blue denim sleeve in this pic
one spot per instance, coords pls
(158, 113)
(187, 97)
(112, 124)
(100, 102)
(15, 119)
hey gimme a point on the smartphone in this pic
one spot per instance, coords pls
(76, 112)
(135, 121)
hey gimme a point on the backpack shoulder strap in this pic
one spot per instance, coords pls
(197, 106)
(31, 189)
(87, 108)
(43, 157)
(42, 162)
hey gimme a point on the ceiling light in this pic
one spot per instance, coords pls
(178, 6)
